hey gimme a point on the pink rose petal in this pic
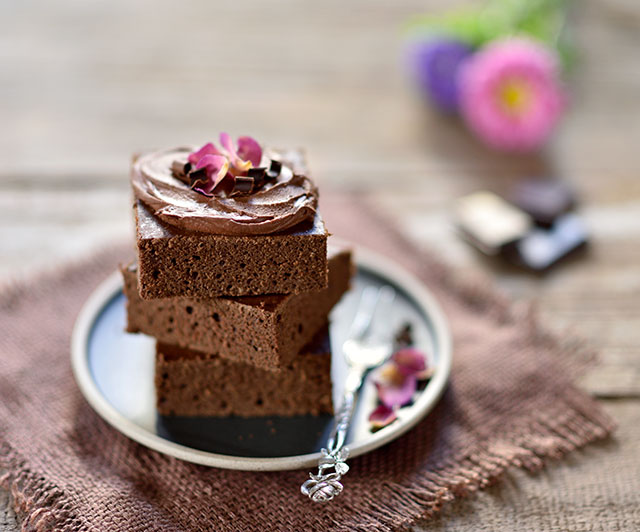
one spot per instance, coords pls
(207, 149)
(427, 373)
(249, 150)
(237, 163)
(410, 361)
(227, 143)
(382, 416)
(216, 167)
(394, 393)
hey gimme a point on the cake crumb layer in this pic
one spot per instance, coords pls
(191, 383)
(173, 262)
(264, 331)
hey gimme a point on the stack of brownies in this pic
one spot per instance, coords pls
(235, 281)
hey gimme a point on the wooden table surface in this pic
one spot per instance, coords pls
(84, 84)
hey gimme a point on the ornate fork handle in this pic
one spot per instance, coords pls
(326, 485)
(361, 355)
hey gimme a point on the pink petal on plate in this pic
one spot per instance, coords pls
(426, 374)
(410, 361)
(234, 158)
(207, 149)
(382, 416)
(216, 167)
(249, 150)
(394, 394)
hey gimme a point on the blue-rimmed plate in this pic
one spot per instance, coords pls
(115, 372)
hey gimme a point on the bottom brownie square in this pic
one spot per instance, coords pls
(191, 383)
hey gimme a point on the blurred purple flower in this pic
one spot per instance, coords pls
(436, 62)
(511, 95)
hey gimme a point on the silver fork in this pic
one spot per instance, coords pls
(362, 351)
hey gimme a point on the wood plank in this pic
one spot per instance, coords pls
(82, 85)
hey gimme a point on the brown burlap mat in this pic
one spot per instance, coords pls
(510, 403)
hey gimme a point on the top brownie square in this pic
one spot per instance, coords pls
(219, 222)
(173, 262)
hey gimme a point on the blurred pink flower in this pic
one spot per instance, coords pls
(511, 95)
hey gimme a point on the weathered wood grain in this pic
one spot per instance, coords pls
(83, 84)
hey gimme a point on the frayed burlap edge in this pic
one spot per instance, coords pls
(551, 435)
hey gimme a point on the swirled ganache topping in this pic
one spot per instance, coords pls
(222, 192)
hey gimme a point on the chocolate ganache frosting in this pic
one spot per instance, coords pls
(285, 202)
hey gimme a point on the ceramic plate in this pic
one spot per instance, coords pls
(115, 372)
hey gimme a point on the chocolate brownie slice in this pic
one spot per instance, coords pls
(173, 262)
(265, 331)
(270, 241)
(191, 383)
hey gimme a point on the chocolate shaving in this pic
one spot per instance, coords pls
(243, 185)
(274, 170)
(258, 171)
(181, 170)
(258, 175)
(194, 178)
(255, 178)
(197, 178)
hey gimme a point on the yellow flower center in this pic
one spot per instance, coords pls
(514, 96)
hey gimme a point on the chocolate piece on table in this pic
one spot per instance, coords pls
(192, 383)
(265, 331)
(542, 248)
(174, 262)
(489, 222)
(543, 199)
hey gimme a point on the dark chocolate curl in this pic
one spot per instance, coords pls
(258, 171)
(258, 175)
(243, 184)
(180, 170)
(274, 170)
(198, 178)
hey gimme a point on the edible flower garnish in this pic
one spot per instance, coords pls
(211, 166)
(412, 361)
(395, 387)
(382, 416)
(216, 168)
(246, 156)
(397, 381)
